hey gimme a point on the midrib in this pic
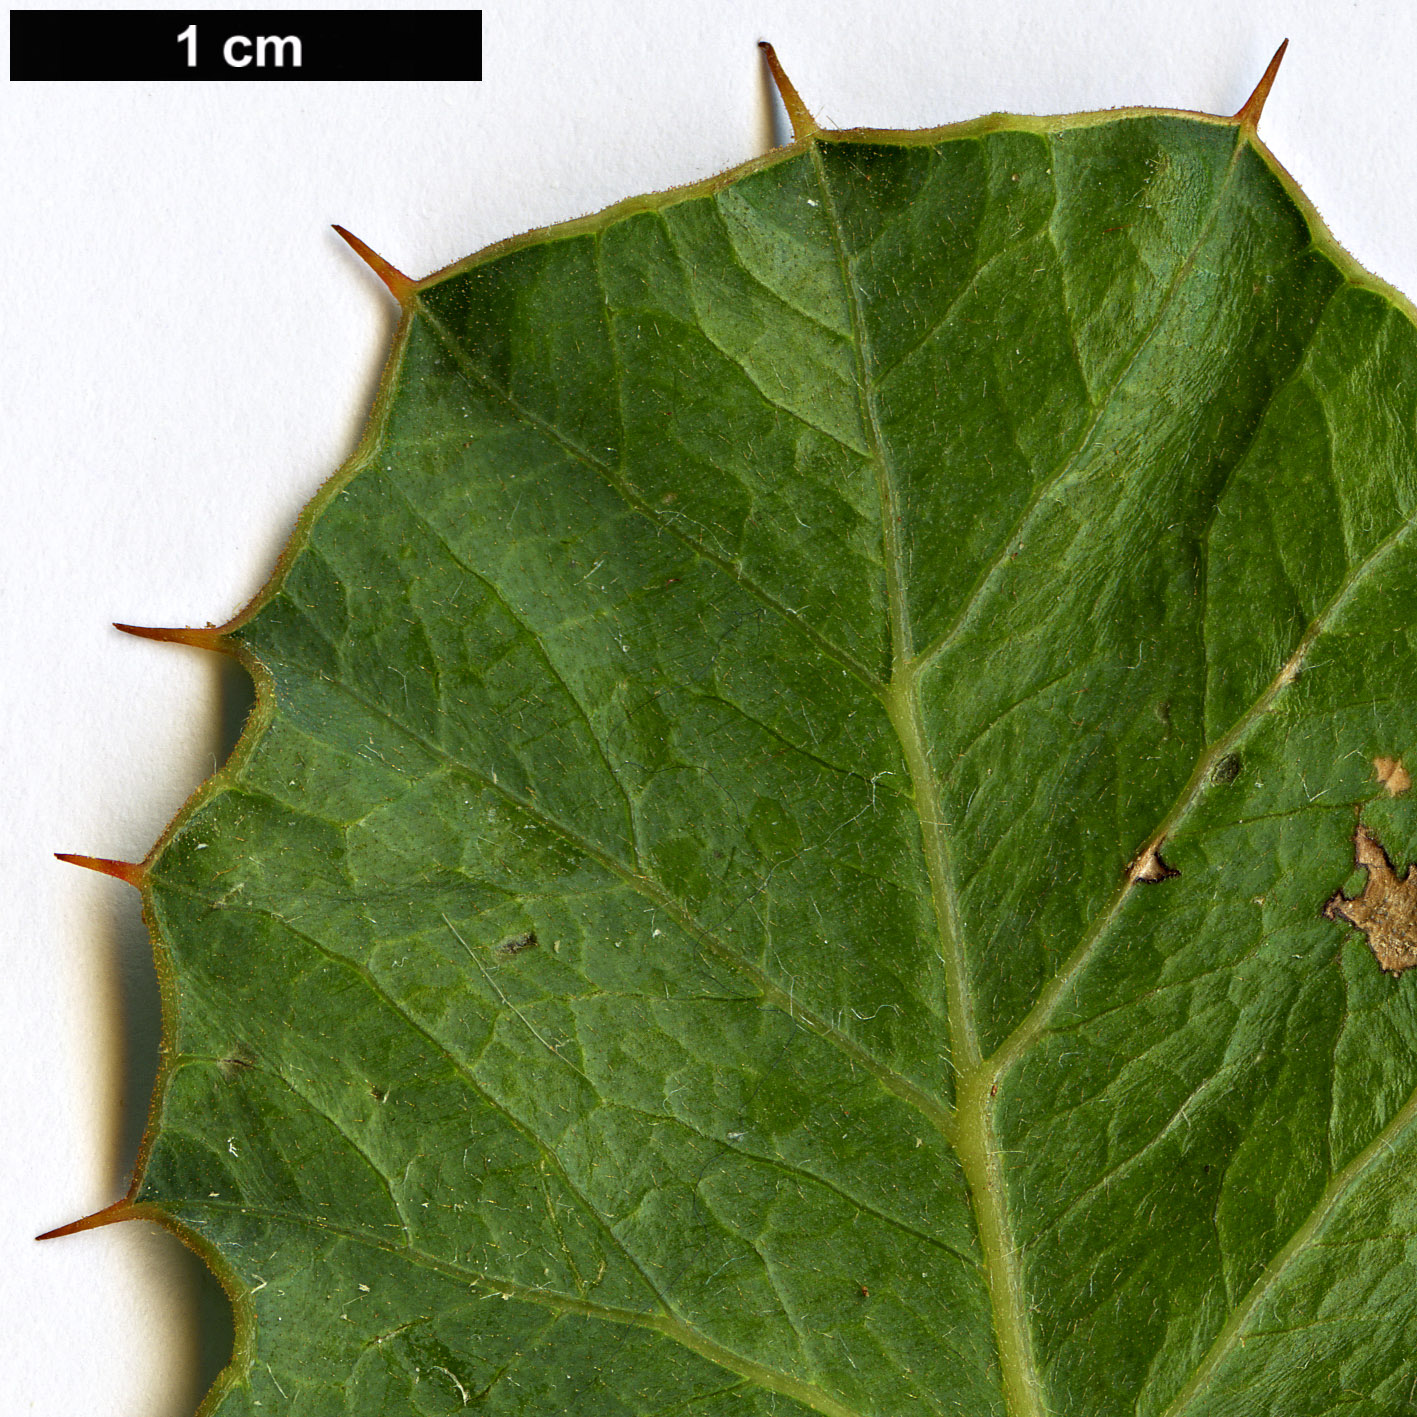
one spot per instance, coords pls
(973, 1139)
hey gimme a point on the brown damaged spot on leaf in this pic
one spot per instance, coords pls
(1386, 912)
(1391, 773)
(1149, 867)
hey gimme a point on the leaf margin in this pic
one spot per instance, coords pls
(366, 448)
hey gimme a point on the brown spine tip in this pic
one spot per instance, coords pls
(803, 124)
(109, 1215)
(400, 286)
(199, 639)
(1249, 114)
(130, 872)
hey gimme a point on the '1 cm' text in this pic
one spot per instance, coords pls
(238, 49)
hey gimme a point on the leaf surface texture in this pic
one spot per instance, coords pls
(677, 935)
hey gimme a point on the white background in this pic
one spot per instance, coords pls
(188, 352)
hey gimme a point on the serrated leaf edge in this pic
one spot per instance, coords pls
(969, 1128)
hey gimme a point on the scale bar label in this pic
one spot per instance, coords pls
(245, 45)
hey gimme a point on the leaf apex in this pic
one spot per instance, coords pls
(403, 288)
(131, 873)
(1249, 114)
(803, 124)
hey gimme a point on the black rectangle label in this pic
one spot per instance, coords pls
(245, 44)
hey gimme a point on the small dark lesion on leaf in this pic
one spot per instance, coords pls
(1147, 866)
(1386, 911)
(1227, 769)
(378, 1093)
(517, 943)
(239, 1061)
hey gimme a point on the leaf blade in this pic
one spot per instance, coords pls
(541, 708)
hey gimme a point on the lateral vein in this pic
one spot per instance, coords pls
(667, 1325)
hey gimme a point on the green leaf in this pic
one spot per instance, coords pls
(788, 854)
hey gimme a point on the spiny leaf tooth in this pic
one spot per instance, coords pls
(130, 872)
(1249, 113)
(110, 1215)
(403, 288)
(798, 114)
(209, 638)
